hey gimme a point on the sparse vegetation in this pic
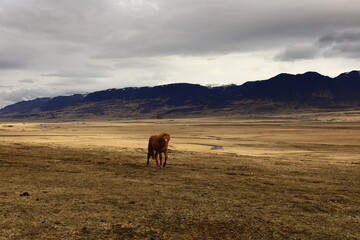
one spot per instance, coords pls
(273, 179)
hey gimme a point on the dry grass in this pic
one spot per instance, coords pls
(280, 179)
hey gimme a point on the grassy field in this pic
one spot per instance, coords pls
(285, 177)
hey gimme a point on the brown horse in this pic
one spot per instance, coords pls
(158, 144)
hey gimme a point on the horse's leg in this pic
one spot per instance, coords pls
(156, 158)
(148, 157)
(166, 157)
(160, 158)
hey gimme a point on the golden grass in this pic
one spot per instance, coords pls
(273, 179)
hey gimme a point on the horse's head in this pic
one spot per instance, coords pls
(165, 138)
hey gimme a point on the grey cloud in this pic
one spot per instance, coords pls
(351, 50)
(344, 43)
(200, 28)
(347, 36)
(15, 53)
(66, 42)
(11, 64)
(298, 53)
(82, 70)
(15, 95)
(73, 82)
(121, 29)
(28, 80)
(76, 74)
(11, 96)
(147, 28)
(139, 63)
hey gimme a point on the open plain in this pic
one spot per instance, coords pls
(281, 177)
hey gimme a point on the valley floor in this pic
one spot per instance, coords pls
(260, 178)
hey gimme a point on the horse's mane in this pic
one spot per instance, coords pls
(163, 134)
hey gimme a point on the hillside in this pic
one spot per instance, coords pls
(282, 92)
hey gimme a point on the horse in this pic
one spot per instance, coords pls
(158, 144)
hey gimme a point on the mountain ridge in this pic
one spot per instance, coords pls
(283, 91)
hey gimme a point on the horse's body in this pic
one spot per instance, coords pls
(158, 144)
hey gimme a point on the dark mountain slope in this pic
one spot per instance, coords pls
(176, 94)
(308, 90)
(350, 86)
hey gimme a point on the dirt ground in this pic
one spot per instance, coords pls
(279, 177)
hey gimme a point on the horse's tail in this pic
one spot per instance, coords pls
(150, 149)
(151, 153)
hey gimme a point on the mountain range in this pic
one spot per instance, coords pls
(284, 92)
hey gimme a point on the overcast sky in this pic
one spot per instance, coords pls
(53, 47)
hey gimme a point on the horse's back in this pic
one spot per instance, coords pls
(152, 142)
